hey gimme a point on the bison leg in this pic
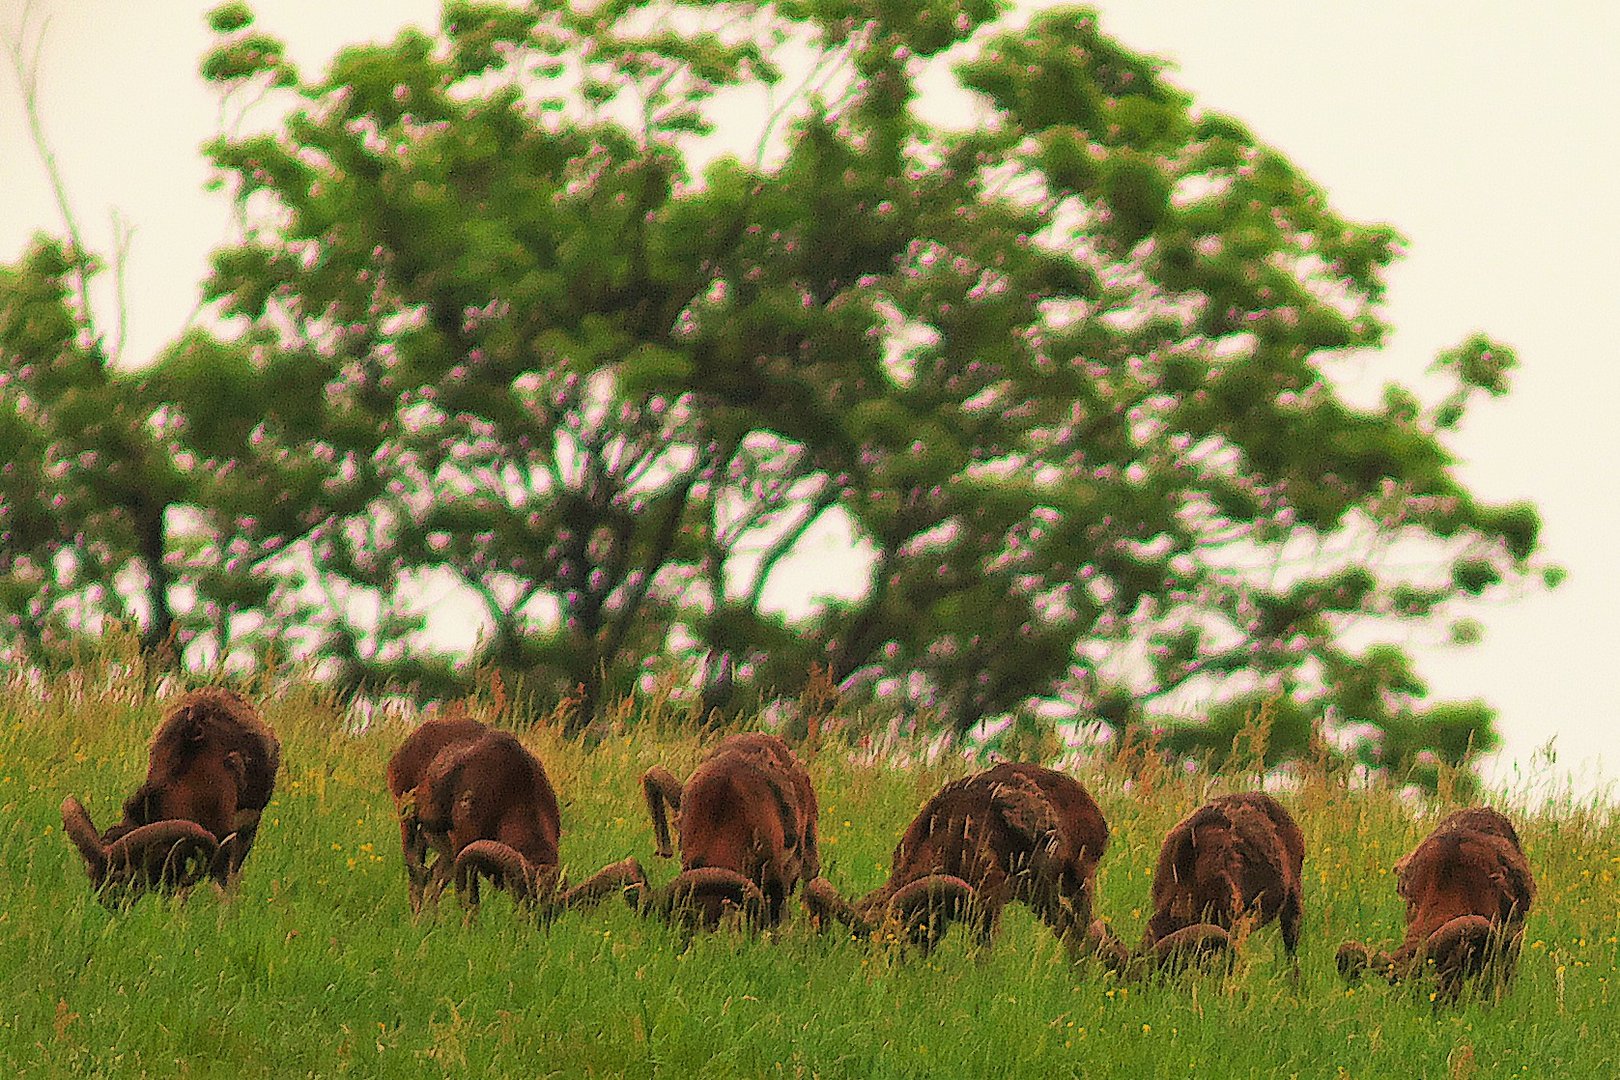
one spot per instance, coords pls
(812, 853)
(440, 870)
(233, 850)
(1102, 943)
(986, 921)
(1289, 918)
(414, 848)
(662, 790)
(1067, 911)
(775, 902)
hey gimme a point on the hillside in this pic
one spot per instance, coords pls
(317, 968)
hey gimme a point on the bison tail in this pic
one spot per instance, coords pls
(663, 793)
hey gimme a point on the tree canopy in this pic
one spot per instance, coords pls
(592, 313)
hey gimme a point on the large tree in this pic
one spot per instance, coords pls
(520, 308)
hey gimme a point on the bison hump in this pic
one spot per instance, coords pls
(1025, 809)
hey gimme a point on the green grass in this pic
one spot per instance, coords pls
(317, 969)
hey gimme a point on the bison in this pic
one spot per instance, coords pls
(747, 829)
(406, 770)
(1012, 832)
(1238, 858)
(1467, 889)
(211, 771)
(480, 800)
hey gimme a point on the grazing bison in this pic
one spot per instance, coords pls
(747, 828)
(483, 802)
(1467, 889)
(406, 771)
(1237, 857)
(210, 773)
(1013, 832)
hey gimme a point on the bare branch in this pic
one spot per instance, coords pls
(123, 236)
(26, 70)
(824, 501)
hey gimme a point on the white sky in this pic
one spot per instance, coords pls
(1485, 132)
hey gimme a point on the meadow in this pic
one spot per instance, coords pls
(316, 967)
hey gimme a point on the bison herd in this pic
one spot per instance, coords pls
(475, 805)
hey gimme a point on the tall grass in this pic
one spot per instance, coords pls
(316, 967)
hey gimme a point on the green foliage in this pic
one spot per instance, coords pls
(229, 18)
(504, 323)
(83, 489)
(1255, 731)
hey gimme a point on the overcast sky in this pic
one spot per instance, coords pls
(1485, 132)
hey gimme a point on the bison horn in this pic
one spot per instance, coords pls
(506, 868)
(937, 892)
(627, 876)
(925, 907)
(82, 831)
(1191, 944)
(710, 888)
(175, 853)
(825, 904)
(1460, 945)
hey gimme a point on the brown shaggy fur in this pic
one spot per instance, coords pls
(480, 799)
(213, 761)
(748, 808)
(1235, 857)
(490, 788)
(1467, 888)
(1012, 832)
(407, 768)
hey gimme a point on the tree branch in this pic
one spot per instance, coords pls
(26, 71)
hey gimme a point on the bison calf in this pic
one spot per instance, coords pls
(747, 829)
(1013, 832)
(1467, 889)
(483, 803)
(210, 773)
